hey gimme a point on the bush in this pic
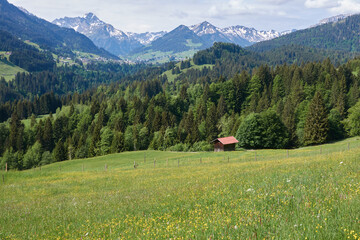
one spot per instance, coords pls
(202, 147)
(263, 130)
(180, 147)
(352, 123)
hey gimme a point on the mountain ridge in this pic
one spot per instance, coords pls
(335, 36)
(135, 42)
(49, 36)
(104, 35)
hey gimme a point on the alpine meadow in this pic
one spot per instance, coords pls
(199, 132)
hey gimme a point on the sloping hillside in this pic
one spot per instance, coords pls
(339, 36)
(47, 35)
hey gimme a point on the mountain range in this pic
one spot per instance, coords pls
(182, 41)
(67, 37)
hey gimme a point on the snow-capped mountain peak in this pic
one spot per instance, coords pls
(118, 42)
(91, 17)
(250, 34)
(105, 35)
(204, 28)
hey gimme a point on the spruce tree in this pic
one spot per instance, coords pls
(59, 153)
(317, 126)
(211, 123)
(16, 141)
(48, 139)
(221, 107)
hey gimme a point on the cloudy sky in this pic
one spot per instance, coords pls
(157, 15)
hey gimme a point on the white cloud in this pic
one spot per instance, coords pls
(321, 3)
(277, 2)
(246, 7)
(346, 6)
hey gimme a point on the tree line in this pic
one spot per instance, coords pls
(270, 107)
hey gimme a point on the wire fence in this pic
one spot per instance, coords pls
(154, 160)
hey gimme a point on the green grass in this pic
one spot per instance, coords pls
(86, 55)
(308, 193)
(9, 70)
(189, 43)
(171, 77)
(34, 45)
(159, 57)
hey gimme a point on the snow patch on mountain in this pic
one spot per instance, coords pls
(250, 34)
(204, 28)
(333, 19)
(146, 38)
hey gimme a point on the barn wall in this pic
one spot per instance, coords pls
(218, 147)
(229, 147)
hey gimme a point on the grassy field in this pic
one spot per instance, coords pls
(171, 77)
(8, 70)
(308, 193)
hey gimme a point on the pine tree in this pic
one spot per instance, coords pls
(16, 141)
(316, 126)
(211, 123)
(221, 107)
(59, 153)
(48, 139)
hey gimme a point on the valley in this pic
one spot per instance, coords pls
(110, 134)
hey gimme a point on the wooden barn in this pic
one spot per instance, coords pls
(225, 144)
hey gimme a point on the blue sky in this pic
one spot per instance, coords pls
(157, 15)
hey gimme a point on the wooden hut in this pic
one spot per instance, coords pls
(225, 144)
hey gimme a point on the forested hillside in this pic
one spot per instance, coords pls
(339, 36)
(23, 55)
(264, 107)
(47, 35)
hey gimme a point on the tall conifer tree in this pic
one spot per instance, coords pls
(316, 126)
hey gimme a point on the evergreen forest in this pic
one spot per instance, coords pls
(101, 108)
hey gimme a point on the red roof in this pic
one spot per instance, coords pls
(227, 140)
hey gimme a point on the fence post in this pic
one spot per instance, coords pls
(154, 162)
(6, 167)
(106, 167)
(134, 165)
